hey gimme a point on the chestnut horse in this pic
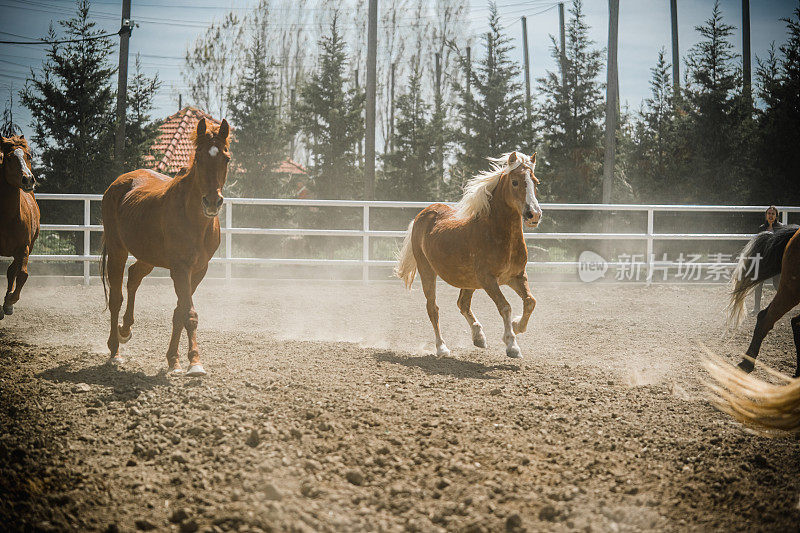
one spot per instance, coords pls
(168, 223)
(767, 255)
(478, 245)
(19, 215)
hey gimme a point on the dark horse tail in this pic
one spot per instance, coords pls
(760, 259)
(103, 270)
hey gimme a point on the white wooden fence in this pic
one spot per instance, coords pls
(648, 237)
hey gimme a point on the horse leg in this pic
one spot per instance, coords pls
(115, 268)
(11, 274)
(521, 287)
(464, 302)
(493, 290)
(783, 302)
(136, 273)
(195, 367)
(796, 332)
(428, 278)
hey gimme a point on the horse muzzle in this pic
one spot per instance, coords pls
(212, 207)
(532, 218)
(28, 184)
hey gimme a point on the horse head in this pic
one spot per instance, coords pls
(15, 163)
(211, 160)
(519, 187)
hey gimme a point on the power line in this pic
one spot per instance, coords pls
(64, 41)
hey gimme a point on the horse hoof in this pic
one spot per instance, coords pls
(442, 351)
(117, 360)
(747, 365)
(514, 352)
(122, 339)
(480, 342)
(196, 370)
(8, 309)
(176, 372)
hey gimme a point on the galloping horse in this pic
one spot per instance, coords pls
(772, 254)
(478, 245)
(19, 215)
(169, 223)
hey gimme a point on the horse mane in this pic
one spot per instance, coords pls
(478, 190)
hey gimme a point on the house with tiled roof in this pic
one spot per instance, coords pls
(173, 148)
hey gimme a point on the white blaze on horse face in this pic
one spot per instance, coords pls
(20, 153)
(213, 151)
(530, 195)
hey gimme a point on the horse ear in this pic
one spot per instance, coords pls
(533, 158)
(224, 130)
(201, 127)
(512, 157)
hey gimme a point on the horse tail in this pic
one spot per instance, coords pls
(765, 406)
(760, 259)
(406, 267)
(104, 270)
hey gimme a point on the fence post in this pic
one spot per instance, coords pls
(785, 217)
(365, 246)
(87, 239)
(650, 246)
(228, 239)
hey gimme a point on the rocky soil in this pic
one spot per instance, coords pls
(324, 410)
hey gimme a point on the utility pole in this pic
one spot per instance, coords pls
(291, 114)
(611, 100)
(369, 142)
(122, 83)
(469, 77)
(438, 105)
(527, 68)
(563, 33)
(746, 76)
(180, 101)
(359, 144)
(676, 56)
(391, 109)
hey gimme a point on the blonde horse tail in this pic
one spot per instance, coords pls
(104, 270)
(406, 267)
(764, 406)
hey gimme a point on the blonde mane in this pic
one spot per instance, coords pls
(478, 190)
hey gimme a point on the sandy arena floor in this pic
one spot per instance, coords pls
(324, 410)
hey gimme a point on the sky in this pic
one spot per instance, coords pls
(166, 28)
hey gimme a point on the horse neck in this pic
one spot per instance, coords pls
(503, 217)
(10, 197)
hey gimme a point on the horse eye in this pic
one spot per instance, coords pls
(514, 183)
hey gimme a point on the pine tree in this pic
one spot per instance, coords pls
(779, 121)
(411, 168)
(72, 104)
(571, 118)
(493, 117)
(140, 129)
(9, 128)
(329, 116)
(720, 121)
(262, 138)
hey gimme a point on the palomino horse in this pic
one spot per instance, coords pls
(169, 223)
(478, 245)
(766, 255)
(19, 215)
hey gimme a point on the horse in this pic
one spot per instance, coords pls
(477, 245)
(767, 255)
(764, 406)
(170, 223)
(19, 215)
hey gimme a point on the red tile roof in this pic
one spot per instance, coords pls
(173, 149)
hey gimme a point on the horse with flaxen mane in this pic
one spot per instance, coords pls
(19, 215)
(168, 223)
(478, 245)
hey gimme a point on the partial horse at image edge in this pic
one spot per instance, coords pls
(479, 244)
(19, 215)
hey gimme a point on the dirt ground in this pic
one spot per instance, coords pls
(325, 410)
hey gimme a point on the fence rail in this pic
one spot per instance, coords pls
(365, 233)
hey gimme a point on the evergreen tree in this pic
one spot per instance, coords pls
(72, 104)
(493, 112)
(262, 138)
(329, 115)
(9, 128)
(571, 118)
(720, 119)
(411, 168)
(779, 121)
(140, 129)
